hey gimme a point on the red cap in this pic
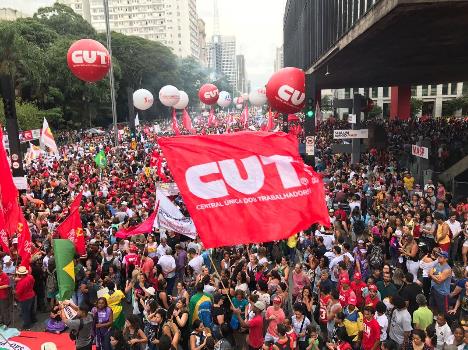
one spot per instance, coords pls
(277, 300)
(357, 276)
(373, 287)
(133, 248)
(344, 280)
(352, 300)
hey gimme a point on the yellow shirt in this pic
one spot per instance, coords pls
(409, 182)
(292, 241)
(439, 234)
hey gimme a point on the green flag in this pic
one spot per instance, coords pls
(64, 252)
(101, 159)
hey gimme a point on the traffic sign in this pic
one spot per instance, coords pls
(310, 145)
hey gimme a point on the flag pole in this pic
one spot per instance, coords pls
(220, 279)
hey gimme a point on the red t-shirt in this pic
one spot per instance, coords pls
(370, 334)
(372, 302)
(357, 287)
(24, 288)
(256, 332)
(323, 308)
(345, 295)
(4, 281)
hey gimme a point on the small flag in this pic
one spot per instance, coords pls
(72, 228)
(145, 227)
(64, 252)
(187, 122)
(137, 120)
(47, 139)
(101, 159)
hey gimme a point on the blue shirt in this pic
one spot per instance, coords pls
(444, 287)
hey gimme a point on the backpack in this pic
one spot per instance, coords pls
(51, 282)
(358, 226)
(376, 257)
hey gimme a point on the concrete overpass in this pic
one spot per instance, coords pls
(365, 43)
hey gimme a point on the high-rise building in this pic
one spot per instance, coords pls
(202, 43)
(241, 78)
(81, 7)
(171, 22)
(9, 14)
(279, 59)
(222, 57)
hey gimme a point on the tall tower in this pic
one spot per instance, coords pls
(215, 18)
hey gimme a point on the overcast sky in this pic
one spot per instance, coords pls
(257, 25)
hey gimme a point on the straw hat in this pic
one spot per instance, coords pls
(22, 270)
(48, 346)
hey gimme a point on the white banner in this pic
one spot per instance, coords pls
(171, 218)
(168, 188)
(419, 151)
(351, 134)
(352, 118)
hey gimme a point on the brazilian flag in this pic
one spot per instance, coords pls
(101, 159)
(64, 252)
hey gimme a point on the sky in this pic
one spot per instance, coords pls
(257, 25)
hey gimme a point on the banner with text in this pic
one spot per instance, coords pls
(351, 134)
(419, 151)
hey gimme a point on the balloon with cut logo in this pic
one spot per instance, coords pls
(258, 97)
(224, 99)
(183, 101)
(169, 95)
(208, 94)
(88, 60)
(142, 99)
(286, 90)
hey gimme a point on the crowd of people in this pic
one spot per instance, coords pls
(390, 272)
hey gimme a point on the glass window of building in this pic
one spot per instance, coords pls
(433, 90)
(453, 88)
(347, 93)
(386, 91)
(414, 90)
(425, 89)
(375, 92)
(445, 89)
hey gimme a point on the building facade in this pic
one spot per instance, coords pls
(81, 7)
(202, 43)
(174, 23)
(222, 57)
(241, 78)
(9, 14)
(279, 59)
(434, 97)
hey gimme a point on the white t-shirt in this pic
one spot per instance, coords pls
(196, 264)
(401, 323)
(383, 323)
(328, 240)
(455, 227)
(444, 335)
(167, 263)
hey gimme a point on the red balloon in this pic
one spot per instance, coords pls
(286, 90)
(208, 94)
(88, 60)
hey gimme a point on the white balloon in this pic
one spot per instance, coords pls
(234, 100)
(142, 99)
(239, 106)
(169, 95)
(258, 97)
(224, 99)
(245, 96)
(183, 100)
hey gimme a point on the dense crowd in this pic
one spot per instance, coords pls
(391, 271)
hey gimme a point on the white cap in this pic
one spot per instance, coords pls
(48, 346)
(6, 259)
(14, 240)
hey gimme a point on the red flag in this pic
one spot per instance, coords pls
(154, 158)
(211, 118)
(187, 122)
(269, 124)
(4, 241)
(24, 241)
(145, 227)
(256, 177)
(160, 171)
(175, 127)
(72, 228)
(8, 193)
(244, 118)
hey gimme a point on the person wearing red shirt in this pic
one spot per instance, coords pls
(371, 332)
(357, 287)
(255, 325)
(372, 299)
(25, 294)
(346, 292)
(324, 301)
(5, 303)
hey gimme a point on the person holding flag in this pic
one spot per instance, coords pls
(101, 159)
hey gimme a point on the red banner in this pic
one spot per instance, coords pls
(25, 245)
(245, 187)
(72, 228)
(145, 227)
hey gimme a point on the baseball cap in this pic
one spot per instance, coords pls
(260, 305)
(357, 276)
(344, 280)
(373, 287)
(352, 300)
(6, 259)
(360, 241)
(443, 254)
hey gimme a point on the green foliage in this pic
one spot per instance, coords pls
(192, 76)
(416, 106)
(451, 106)
(31, 117)
(375, 112)
(326, 103)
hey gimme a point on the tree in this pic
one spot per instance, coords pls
(326, 103)
(451, 106)
(416, 106)
(30, 117)
(192, 76)
(375, 112)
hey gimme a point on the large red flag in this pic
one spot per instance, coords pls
(25, 245)
(145, 227)
(245, 187)
(72, 228)
(154, 158)
(244, 118)
(4, 241)
(187, 122)
(175, 127)
(8, 193)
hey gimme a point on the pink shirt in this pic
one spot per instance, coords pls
(280, 317)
